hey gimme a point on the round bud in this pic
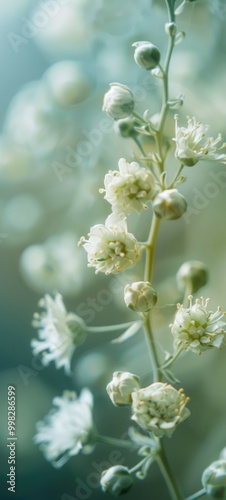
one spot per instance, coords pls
(140, 296)
(171, 29)
(214, 479)
(193, 274)
(118, 101)
(169, 204)
(125, 127)
(116, 480)
(146, 55)
(121, 388)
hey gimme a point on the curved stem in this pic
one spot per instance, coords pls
(167, 474)
(138, 466)
(172, 360)
(108, 328)
(150, 248)
(157, 375)
(176, 176)
(137, 142)
(199, 494)
(114, 441)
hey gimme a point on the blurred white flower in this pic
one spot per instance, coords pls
(159, 408)
(197, 329)
(68, 428)
(130, 188)
(140, 296)
(67, 83)
(16, 163)
(193, 145)
(21, 216)
(59, 332)
(110, 247)
(71, 29)
(54, 265)
(33, 123)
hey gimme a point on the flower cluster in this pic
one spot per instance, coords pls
(110, 248)
(59, 332)
(68, 428)
(129, 188)
(193, 145)
(197, 329)
(159, 408)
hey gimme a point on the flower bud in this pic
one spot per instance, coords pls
(116, 480)
(121, 387)
(171, 29)
(125, 127)
(140, 296)
(169, 204)
(214, 479)
(146, 55)
(118, 101)
(192, 274)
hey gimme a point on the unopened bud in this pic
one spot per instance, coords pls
(121, 388)
(193, 274)
(140, 296)
(118, 101)
(125, 127)
(146, 55)
(171, 29)
(116, 480)
(214, 479)
(169, 204)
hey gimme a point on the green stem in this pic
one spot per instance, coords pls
(157, 375)
(199, 494)
(167, 474)
(109, 328)
(176, 176)
(170, 8)
(150, 248)
(114, 441)
(138, 466)
(137, 142)
(172, 360)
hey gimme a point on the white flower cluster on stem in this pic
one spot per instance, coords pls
(197, 329)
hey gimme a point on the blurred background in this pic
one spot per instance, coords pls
(56, 144)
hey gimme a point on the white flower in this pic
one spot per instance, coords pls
(195, 328)
(59, 332)
(110, 247)
(193, 145)
(129, 188)
(159, 408)
(121, 387)
(68, 428)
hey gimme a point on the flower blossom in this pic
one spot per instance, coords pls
(110, 247)
(59, 332)
(193, 145)
(68, 428)
(130, 188)
(197, 329)
(159, 408)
